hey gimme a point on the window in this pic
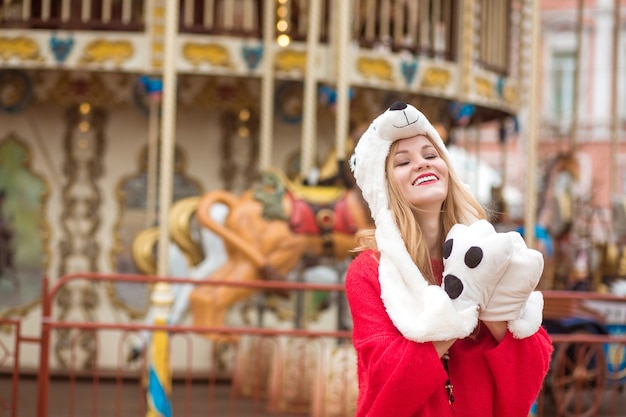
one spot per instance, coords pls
(562, 94)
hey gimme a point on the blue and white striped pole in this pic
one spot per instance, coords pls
(159, 374)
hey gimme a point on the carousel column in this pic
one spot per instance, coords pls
(530, 207)
(154, 88)
(267, 86)
(309, 118)
(343, 86)
(159, 381)
(343, 58)
(308, 145)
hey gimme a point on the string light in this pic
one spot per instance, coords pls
(84, 126)
(282, 25)
(84, 108)
(283, 40)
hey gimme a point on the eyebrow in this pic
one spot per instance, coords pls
(402, 151)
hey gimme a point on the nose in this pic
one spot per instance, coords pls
(421, 163)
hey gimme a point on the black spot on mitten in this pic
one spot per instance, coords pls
(452, 286)
(473, 257)
(447, 248)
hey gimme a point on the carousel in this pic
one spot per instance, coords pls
(208, 140)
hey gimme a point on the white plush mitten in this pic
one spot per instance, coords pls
(513, 300)
(475, 258)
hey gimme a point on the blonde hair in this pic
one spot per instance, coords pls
(460, 206)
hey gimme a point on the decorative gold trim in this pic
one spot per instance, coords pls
(22, 47)
(289, 60)
(484, 87)
(157, 29)
(375, 68)
(212, 53)
(100, 51)
(80, 221)
(510, 95)
(436, 77)
(69, 89)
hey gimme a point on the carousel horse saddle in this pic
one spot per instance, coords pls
(315, 209)
(314, 218)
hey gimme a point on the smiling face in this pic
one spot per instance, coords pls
(421, 175)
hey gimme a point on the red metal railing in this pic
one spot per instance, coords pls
(221, 391)
(270, 371)
(8, 404)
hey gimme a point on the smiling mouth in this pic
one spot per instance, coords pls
(425, 179)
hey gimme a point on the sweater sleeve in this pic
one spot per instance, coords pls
(394, 373)
(519, 367)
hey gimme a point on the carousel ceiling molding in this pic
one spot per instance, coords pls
(61, 48)
(408, 68)
(98, 89)
(16, 90)
(252, 55)
(103, 51)
(214, 54)
(20, 48)
(493, 90)
(23, 228)
(220, 94)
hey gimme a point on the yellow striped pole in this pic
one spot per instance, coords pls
(159, 373)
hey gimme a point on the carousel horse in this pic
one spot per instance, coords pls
(195, 252)
(556, 213)
(269, 230)
(556, 199)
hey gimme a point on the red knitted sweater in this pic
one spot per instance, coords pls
(402, 378)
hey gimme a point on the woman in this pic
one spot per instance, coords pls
(417, 355)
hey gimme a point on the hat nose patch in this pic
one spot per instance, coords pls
(453, 286)
(398, 105)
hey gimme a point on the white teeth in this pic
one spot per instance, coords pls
(424, 179)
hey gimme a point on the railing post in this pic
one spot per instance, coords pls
(44, 357)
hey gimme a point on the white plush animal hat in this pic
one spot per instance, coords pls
(421, 312)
